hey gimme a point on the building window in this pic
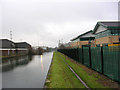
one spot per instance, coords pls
(115, 32)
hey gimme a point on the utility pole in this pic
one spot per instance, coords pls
(11, 40)
(11, 35)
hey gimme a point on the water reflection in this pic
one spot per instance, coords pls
(26, 72)
(42, 67)
(12, 63)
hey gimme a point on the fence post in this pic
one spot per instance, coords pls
(82, 56)
(90, 55)
(119, 70)
(102, 66)
(77, 55)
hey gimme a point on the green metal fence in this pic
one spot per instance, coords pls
(111, 58)
(80, 56)
(86, 56)
(96, 63)
(105, 60)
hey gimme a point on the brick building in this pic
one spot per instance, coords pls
(83, 39)
(107, 33)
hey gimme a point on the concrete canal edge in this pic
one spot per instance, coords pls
(48, 73)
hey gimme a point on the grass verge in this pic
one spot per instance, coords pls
(60, 75)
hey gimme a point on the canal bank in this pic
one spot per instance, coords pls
(12, 56)
(60, 75)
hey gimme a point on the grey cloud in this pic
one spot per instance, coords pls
(47, 22)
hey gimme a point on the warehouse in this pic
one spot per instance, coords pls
(22, 48)
(7, 47)
(10, 48)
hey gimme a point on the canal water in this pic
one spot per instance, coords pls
(26, 71)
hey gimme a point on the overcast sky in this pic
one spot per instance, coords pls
(45, 22)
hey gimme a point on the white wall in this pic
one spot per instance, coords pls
(100, 29)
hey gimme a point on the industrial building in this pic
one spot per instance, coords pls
(107, 33)
(22, 48)
(7, 47)
(10, 48)
(104, 34)
(83, 39)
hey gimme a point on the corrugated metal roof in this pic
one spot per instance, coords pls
(5, 43)
(22, 45)
(85, 35)
(112, 25)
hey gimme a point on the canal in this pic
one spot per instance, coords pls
(26, 71)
